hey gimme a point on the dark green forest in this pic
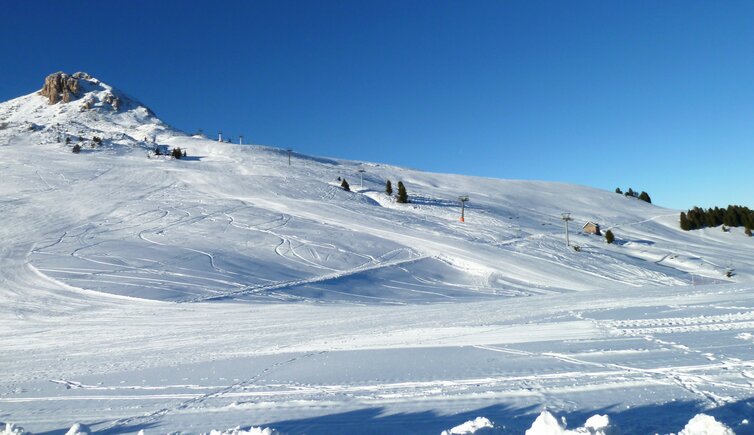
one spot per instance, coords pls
(733, 216)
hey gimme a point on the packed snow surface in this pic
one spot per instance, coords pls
(231, 289)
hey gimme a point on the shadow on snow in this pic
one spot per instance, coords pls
(664, 418)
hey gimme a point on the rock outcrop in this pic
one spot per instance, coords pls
(60, 87)
(66, 88)
(113, 101)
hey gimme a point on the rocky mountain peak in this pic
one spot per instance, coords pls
(79, 106)
(60, 86)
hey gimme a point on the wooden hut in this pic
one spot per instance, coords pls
(592, 228)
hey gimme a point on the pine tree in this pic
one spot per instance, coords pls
(644, 196)
(630, 192)
(389, 188)
(618, 191)
(685, 223)
(747, 231)
(402, 196)
(176, 153)
(609, 237)
(76, 149)
(345, 185)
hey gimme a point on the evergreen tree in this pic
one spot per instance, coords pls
(176, 153)
(389, 188)
(644, 196)
(631, 192)
(685, 223)
(618, 191)
(184, 153)
(609, 237)
(76, 149)
(729, 218)
(402, 196)
(345, 185)
(747, 231)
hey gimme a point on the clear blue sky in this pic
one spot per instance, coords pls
(654, 95)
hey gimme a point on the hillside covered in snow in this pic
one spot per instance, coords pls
(237, 287)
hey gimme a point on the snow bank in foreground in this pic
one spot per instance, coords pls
(470, 427)
(597, 424)
(250, 431)
(547, 424)
(703, 424)
(12, 429)
(78, 429)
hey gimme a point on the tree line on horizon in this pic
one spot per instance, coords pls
(644, 196)
(732, 216)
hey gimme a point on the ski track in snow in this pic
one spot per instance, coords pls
(198, 400)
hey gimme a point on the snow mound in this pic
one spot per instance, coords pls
(12, 429)
(547, 424)
(476, 425)
(249, 431)
(78, 429)
(703, 424)
(598, 424)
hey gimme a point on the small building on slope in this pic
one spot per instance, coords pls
(592, 228)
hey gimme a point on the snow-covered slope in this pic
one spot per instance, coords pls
(94, 244)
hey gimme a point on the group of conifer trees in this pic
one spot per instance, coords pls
(733, 216)
(177, 153)
(644, 196)
(401, 197)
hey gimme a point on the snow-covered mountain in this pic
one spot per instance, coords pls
(79, 106)
(238, 221)
(84, 234)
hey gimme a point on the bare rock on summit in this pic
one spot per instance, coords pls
(60, 87)
(66, 88)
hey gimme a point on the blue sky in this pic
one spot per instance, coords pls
(654, 95)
